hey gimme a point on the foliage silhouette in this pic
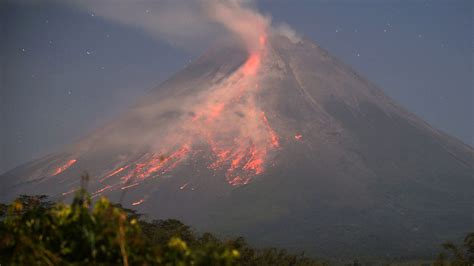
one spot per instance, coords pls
(37, 231)
(459, 255)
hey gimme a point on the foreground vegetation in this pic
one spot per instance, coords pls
(36, 231)
(458, 255)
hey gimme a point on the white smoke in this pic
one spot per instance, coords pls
(189, 23)
(179, 23)
(240, 19)
(186, 24)
(287, 31)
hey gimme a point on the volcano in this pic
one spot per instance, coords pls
(285, 145)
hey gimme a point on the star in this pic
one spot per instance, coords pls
(337, 30)
(69, 92)
(358, 55)
(88, 52)
(23, 49)
(384, 30)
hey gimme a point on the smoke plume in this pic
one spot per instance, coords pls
(185, 23)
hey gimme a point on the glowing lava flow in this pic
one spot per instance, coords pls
(228, 129)
(64, 167)
(138, 202)
(242, 149)
(274, 137)
(252, 64)
(114, 173)
(156, 164)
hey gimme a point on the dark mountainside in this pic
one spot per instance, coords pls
(347, 172)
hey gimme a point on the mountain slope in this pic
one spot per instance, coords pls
(287, 146)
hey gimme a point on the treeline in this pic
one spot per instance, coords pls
(37, 231)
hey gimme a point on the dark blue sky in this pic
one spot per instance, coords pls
(65, 71)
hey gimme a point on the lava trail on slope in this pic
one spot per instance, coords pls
(226, 126)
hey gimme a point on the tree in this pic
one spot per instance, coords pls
(459, 256)
(36, 232)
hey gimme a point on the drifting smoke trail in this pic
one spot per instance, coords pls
(249, 25)
(187, 24)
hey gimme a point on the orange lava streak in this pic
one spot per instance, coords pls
(236, 161)
(64, 167)
(156, 164)
(69, 192)
(138, 202)
(130, 186)
(298, 137)
(102, 189)
(238, 181)
(114, 173)
(242, 156)
(228, 121)
(256, 161)
(177, 157)
(252, 64)
(273, 135)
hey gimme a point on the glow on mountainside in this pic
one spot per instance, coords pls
(64, 167)
(226, 127)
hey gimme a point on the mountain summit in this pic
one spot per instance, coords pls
(285, 145)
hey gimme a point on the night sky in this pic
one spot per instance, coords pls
(66, 71)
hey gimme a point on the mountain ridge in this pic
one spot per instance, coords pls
(324, 161)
